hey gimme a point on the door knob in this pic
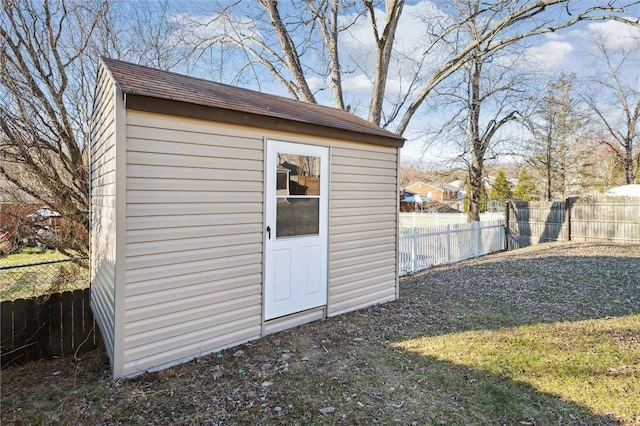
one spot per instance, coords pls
(269, 232)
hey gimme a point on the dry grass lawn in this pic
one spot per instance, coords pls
(545, 335)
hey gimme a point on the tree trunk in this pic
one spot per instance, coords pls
(384, 45)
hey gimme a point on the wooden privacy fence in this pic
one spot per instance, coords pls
(575, 219)
(56, 325)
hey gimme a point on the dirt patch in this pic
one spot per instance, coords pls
(351, 369)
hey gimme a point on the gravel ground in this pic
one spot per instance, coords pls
(352, 369)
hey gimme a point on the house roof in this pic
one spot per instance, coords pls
(423, 188)
(152, 90)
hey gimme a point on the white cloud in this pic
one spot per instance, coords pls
(549, 55)
(616, 35)
(358, 84)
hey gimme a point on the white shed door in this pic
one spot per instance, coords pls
(296, 228)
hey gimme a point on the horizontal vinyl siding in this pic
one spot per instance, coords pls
(194, 240)
(362, 242)
(103, 210)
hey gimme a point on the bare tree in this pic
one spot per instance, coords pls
(47, 74)
(616, 103)
(557, 152)
(44, 112)
(293, 55)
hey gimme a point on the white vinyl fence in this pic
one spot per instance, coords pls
(426, 246)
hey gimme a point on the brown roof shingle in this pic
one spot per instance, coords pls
(153, 90)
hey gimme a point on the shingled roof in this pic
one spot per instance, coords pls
(152, 90)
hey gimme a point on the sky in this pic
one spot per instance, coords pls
(569, 50)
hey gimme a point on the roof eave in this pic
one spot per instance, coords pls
(190, 110)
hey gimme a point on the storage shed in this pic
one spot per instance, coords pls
(220, 215)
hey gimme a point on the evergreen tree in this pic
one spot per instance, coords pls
(525, 188)
(500, 190)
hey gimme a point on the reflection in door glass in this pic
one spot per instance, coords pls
(298, 195)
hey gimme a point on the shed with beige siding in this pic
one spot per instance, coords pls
(220, 215)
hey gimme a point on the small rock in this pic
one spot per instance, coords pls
(305, 359)
(359, 339)
(285, 357)
(238, 353)
(327, 410)
(266, 366)
(267, 384)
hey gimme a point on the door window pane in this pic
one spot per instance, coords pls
(298, 195)
(297, 216)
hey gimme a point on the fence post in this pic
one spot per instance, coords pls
(448, 235)
(567, 217)
(476, 238)
(414, 249)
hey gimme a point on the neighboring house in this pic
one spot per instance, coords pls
(23, 219)
(204, 235)
(432, 191)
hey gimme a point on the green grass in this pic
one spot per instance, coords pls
(35, 279)
(31, 255)
(593, 363)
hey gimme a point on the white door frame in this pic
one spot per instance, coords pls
(295, 271)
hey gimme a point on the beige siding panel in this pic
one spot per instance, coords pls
(194, 239)
(167, 234)
(169, 338)
(342, 154)
(191, 150)
(188, 136)
(367, 210)
(215, 339)
(188, 220)
(154, 159)
(108, 202)
(150, 210)
(339, 169)
(106, 166)
(383, 188)
(294, 320)
(373, 257)
(355, 268)
(155, 323)
(108, 179)
(351, 244)
(356, 283)
(173, 258)
(102, 167)
(364, 163)
(361, 236)
(166, 339)
(145, 307)
(191, 284)
(188, 185)
(364, 228)
(346, 255)
(355, 179)
(362, 254)
(358, 205)
(161, 271)
(354, 291)
(359, 301)
(168, 197)
(152, 172)
(385, 218)
(190, 126)
(148, 248)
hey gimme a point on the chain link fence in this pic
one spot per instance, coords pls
(44, 278)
